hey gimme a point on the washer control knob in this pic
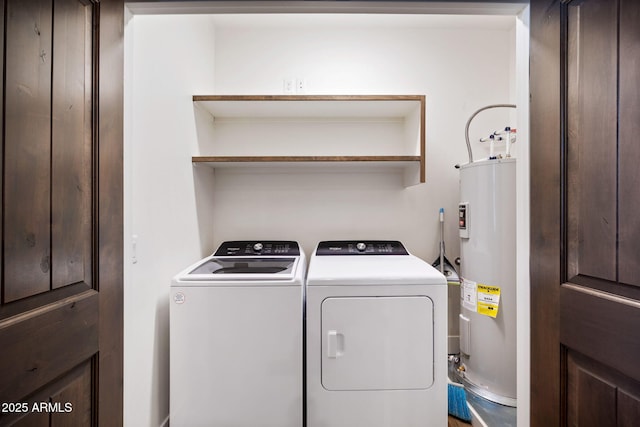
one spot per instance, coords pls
(361, 247)
(257, 247)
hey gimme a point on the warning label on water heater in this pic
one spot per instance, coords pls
(480, 298)
(488, 300)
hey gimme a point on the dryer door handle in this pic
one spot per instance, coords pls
(335, 344)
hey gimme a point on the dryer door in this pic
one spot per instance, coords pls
(377, 343)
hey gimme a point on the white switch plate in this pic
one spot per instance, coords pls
(289, 86)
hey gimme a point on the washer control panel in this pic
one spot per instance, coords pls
(253, 247)
(361, 247)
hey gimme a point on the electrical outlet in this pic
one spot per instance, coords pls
(301, 86)
(289, 86)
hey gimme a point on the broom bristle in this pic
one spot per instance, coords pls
(458, 402)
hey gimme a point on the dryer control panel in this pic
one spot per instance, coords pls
(361, 247)
(254, 247)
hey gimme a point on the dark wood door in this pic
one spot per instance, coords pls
(61, 176)
(585, 221)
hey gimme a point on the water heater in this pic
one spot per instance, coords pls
(487, 225)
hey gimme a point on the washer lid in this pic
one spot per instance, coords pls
(252, 269)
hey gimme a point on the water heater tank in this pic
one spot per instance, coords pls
(487, 224)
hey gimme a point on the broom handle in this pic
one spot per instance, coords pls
(442, 240)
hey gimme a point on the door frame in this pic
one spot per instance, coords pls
(110, 186)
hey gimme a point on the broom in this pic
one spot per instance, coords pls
(441, 263)
(457, 398)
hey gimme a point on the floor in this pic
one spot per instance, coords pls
(454, 422)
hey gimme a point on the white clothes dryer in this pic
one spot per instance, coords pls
(236, 337)
(376, 326)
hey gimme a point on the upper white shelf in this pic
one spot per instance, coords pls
(409, 109)
(306, 106)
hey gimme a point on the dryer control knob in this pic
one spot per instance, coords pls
(361, 246)
(257, 247)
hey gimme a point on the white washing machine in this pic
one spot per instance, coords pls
(236, 348)
(376, 341)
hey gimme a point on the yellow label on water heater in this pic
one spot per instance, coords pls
(488, 300)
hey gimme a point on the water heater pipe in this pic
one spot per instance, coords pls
(466, 129)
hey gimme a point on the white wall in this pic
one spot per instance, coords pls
(459, 63)
(168, 59)
(459, 70)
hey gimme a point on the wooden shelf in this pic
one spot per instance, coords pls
(331, 110)
(302, 159)
(351, 106)
(407, 166)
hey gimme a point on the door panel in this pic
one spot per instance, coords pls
(592, 193)
(585, 304)
(61, 176)
(629, 173)
(592, 400)
(599, 395)
(71, 144)
(601, 326)
(27, 169)
(64, 402)
(591, 139)
(48, 146)
(628, 409)
(43, 350)
(74, 399)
